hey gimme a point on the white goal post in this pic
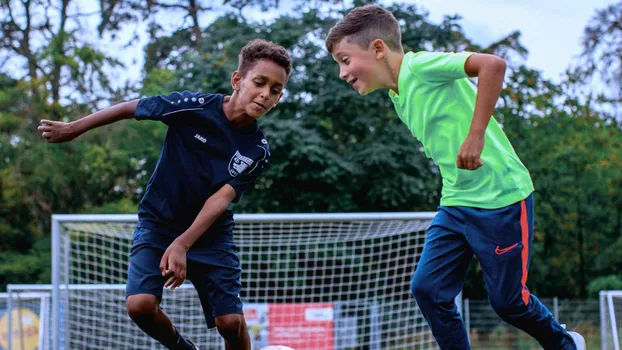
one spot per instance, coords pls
(610, 319)
(342, 279)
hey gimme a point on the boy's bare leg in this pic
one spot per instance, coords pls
(233, 329)
(144, 310)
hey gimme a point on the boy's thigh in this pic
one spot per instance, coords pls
(445, 244)
(218, 283)
(446, 255)
(501, 240)
(144, 275)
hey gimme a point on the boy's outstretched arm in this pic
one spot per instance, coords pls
(173, 262)
(490, 71)
(55, 131)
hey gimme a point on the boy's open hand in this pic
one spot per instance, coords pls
(173, 265)
(469, 154)
(55, 132)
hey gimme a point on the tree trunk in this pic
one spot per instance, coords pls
(24, 48)
(59, 51)
(196, 28)
(582, 282)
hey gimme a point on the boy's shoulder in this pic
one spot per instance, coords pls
(199, 97)
(168, 108)
(436, 66)
(436, 58)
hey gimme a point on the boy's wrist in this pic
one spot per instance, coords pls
(182, 243)
(74, 127)
(476, 133)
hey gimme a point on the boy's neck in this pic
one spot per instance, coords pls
(394, 64)
(235, 113)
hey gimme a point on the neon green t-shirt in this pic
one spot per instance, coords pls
(436, 101)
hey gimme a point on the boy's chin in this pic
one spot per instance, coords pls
(364, 90)
(255, 114)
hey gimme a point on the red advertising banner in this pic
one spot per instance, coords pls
(305, 326)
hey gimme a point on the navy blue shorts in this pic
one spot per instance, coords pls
(213, 270)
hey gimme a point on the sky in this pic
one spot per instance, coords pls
(551, 29)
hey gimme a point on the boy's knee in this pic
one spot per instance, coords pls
(230, 326)
(420, 290)
(141, 306)
(504, 307)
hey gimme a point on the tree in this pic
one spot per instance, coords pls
(332, 150)
(58, 65)
(601, 59)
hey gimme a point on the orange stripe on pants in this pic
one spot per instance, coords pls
(525, 253)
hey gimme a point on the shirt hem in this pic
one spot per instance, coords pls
(496, 204)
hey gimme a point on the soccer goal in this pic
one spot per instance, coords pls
(310, 281)
(611, 319)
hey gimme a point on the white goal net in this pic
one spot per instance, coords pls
(309, 281)
(611, 319)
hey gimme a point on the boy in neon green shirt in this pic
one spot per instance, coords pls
(487, 198)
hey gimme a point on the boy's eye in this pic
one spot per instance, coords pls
(258, 82)
(346, 59)
(276, 91)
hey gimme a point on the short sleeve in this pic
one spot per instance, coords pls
(439, 67)
(246, 170)
(165, 107)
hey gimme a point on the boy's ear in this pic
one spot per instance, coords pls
(379, 48)
(236, 78)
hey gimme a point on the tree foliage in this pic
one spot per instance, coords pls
(332, 150)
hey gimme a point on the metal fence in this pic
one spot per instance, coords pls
(487, 331)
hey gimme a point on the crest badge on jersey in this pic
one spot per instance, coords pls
(238, 164)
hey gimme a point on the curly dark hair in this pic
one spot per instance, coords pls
(365, 24)
(260, 49)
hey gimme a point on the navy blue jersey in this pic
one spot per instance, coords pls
(202, 152)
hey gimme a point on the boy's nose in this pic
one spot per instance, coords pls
(265, 93)
(343, 75)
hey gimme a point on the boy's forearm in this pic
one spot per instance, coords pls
(212, 209)
(124, 110)
(490, 83)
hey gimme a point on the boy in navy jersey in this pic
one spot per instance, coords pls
(212, 153)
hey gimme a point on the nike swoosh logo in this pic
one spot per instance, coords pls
(500, 251)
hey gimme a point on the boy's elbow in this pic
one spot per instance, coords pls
(216, 204)
(499, 64)
(224, 203)
(479, 64)
(224, 196)
(494, 67)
